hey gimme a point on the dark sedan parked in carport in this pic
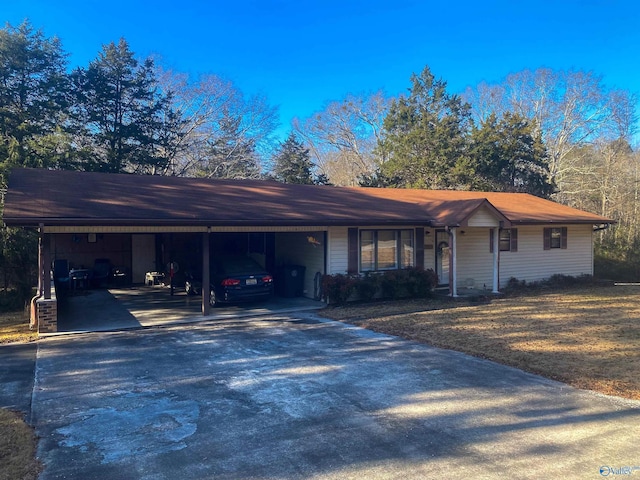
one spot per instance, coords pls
(234, 279)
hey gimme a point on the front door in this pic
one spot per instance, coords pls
(442, 257)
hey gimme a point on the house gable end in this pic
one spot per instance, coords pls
(486, 215)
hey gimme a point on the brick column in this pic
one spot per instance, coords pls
(47, 311)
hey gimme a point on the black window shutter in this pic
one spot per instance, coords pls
(563, 238)
(491, 246)
(547, 239)
(352, 246)
(420, 247)
(514, 239)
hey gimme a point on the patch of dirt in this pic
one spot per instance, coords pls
(17, 448)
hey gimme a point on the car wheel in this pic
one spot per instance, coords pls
(213, 301)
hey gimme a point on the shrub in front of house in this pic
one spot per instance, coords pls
(410, 282)
(338, 288)
(420, 282)
(393, 285)
(514, 285)
(367, 286)
(554, 282)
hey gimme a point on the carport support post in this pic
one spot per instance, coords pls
(206, 306)
(496, 260)
(45, 265)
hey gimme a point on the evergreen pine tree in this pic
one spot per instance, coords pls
(121, 119)
(425, 137)
(33, 99)
(292, 162)
(509, 156)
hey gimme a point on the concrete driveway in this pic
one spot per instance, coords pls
(142, 306)
(294, 396)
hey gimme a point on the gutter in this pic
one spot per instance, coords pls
(602, 226)
(204, 223)
(560, 222)
(33, 312)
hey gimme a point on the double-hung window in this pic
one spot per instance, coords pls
(555, 237)
(507, 240)
(386, 250)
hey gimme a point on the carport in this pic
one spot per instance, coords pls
(174, 252)
(148, 225)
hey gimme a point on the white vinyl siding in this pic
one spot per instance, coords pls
(532, 263)
(301, 249)
(475, 261)
(337, 251)
(483, 218)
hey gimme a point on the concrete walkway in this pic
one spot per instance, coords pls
(295, 396)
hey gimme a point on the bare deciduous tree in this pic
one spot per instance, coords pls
(587, 128)
(342, 138)
(571, 109)
(207, 104)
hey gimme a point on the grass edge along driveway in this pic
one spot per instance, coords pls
(588, 337)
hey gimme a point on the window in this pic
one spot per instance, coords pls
(507, 239)
(367, 251)
(406, 248)
(386, 250)
(555, 237)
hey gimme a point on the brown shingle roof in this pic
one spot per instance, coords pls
(55, 197)
(449, 207)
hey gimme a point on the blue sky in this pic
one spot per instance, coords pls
(303, 54)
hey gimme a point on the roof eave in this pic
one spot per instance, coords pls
(566, 221)
(112, 222)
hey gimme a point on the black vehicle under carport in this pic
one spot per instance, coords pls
(233, 279)
(263, 253)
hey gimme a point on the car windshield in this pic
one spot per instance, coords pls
(234, 265)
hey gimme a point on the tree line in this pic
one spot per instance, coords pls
(561, 135)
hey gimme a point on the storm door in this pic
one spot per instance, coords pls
(442, 257)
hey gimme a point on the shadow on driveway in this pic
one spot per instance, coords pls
(136, 307)
(17, 369)
(296, 396)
